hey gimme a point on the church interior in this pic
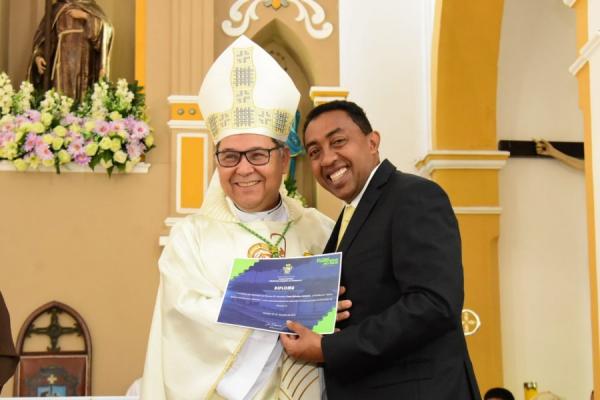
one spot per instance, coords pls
(460, 91)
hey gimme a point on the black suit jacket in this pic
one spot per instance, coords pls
(402, 269)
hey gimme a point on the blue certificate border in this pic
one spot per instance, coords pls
(264, 293)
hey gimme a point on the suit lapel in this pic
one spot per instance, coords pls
(330, 246)
(366, 204)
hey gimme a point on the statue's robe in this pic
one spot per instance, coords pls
(80, 49)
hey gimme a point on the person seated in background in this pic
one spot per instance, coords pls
(8, 356)
(498, 393)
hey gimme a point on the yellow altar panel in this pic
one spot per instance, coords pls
(192, 171)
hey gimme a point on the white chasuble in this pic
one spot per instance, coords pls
(188, 352)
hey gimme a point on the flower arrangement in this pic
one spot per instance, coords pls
(108, 127)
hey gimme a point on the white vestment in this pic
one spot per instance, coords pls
(188, 352)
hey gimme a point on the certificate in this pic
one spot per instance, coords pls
(264, 293)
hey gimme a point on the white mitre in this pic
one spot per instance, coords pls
(246, 91)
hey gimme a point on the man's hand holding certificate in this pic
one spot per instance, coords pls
(265, 293)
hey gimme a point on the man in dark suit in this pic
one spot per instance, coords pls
(402, 270)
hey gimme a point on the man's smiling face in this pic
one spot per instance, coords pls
(253, 187)
(341, 155)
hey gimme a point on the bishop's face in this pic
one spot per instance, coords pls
(251, 187)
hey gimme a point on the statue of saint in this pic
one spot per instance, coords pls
(80, 41)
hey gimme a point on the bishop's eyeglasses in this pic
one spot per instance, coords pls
(231, 158)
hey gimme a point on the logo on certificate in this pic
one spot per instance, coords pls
(287, 268)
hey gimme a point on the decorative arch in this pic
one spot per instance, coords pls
(319, 57)
(293, 56)
(276, 31)
(44, 371)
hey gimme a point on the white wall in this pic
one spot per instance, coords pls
(543, 245)
(384, 62)
(594, 65)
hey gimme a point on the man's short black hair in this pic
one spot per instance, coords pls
(498, 393)
(353, 110)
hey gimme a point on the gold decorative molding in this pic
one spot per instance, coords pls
(461, 159)
(184, 108)
(586, 53)
(310, 20)
(325, 94)
(476, 210)
(470, 322)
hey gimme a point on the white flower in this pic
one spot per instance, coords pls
(47, 105)
(26, 87)
(123, 95)
(99, 99)
(55, 104)
(4, 78)
(65, 105)
(6, 94)
(22, 100)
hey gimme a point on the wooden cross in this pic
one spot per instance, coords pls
(54, 331)
(526, 148)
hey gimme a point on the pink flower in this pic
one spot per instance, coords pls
(21, 119)
(42, 150)
(75, 148)
(102, 128)
(140, 130)
(7, 136)
(34, 115)
(7, 127)
(135, 149)
(73, 135)
(70, 119)
(117, 126)
(82, 159)
(31, 141)
(129, 122)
